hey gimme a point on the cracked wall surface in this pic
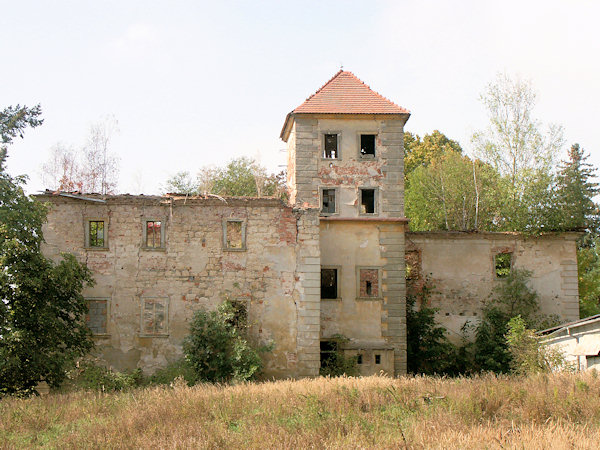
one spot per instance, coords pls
(275, 273)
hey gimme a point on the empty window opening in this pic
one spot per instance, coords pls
(329, 351)
(154, 316)
(239, 317)
(377, 359)
(153, 234)
(96, 233)
(330, 150)
(328, 206)
(367, 201)
(234, 235)
(96, 316)
(502, 263)
(367, 145)
(369, 283)
(329, 283)
(358, 359)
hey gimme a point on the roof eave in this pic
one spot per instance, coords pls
(287, 125)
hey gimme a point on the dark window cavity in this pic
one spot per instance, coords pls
(330, 146)
(367, 145)
(328, 206)
(502, 263)
(377, 359)
(367, 201)
(96, 233)
(329, 283)
(329, 350)
(358, 359)
(153, 234)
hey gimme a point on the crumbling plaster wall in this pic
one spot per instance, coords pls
(349, 171)
(193, 271)
(462, 274)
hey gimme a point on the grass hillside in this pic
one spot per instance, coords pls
(545, 411)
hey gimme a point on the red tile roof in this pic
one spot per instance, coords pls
(346, 94)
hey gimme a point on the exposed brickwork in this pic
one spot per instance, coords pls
(369, 282)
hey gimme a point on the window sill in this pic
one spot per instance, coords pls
(331, 299)
(368, 214)
(330, 159)
(235, 249)
(366, 157)
(97, 249)
(154, 249)
(322, 214)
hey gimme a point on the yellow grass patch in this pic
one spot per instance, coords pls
(545, 411)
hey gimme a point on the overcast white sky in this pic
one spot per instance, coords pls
(195, 83)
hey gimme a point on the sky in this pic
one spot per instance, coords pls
(195, 83)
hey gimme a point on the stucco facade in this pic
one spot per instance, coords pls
(461, 271)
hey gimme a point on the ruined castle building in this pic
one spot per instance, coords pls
(323, 272)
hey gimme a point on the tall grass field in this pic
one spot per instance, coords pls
(557, 411)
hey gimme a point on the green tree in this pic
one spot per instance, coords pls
(181, 183)
(453, 192)
(576, 191)
(514, 144)
(421, 153)
(241, 177)
(513, 141)
(41, 308)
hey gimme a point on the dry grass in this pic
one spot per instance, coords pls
(555, 411)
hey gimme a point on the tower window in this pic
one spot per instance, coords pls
(368, 201)
(330, 146)
(367, 145)
(328, 201)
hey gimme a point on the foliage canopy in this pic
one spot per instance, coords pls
(41, 308)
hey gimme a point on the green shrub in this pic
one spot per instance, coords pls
(217, 348)
(90, 376)
(511, 297)
(528, 355)
(178, 369)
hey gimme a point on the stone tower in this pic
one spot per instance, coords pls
(345, 158)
